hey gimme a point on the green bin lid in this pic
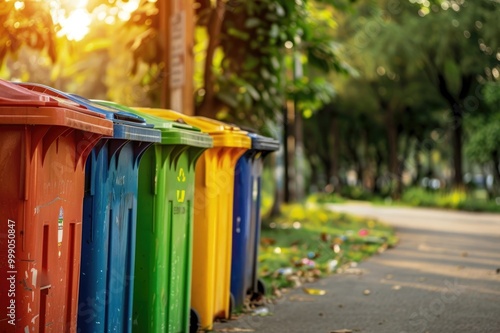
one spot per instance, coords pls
(172, 132)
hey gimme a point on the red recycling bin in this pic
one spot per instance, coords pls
(43, 148)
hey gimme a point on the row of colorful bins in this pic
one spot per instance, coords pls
(134, 199)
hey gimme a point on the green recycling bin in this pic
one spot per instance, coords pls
(162, 288)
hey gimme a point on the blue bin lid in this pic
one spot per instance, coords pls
(263, 143)
(127, 125)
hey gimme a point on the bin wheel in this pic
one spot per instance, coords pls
(256, 295)
(194, 321)
(231, 304)
(261, 287)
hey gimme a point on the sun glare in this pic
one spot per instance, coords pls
(76, 25)
(76, 22)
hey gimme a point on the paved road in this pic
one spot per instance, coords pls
(441, 278)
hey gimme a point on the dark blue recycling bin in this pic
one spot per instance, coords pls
(109, 218)
(247, 218)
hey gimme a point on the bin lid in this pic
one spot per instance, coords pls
(224, 135)
(12, 94)
(113, 114)
(127, 125)
(172, 132)
(22, 106)
(264, 143)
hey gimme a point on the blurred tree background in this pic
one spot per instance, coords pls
(370, 98)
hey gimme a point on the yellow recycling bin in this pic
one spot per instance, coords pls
(213, 215)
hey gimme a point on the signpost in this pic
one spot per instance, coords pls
(177, 29)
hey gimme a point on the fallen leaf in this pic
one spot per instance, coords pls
(396, 287)
(382, 248)
(464, 254)
(295, 280)
(367, 292)
(319, 292)
(344, 330)
(267, 241)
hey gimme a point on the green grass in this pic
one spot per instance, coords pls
(475, 201)
(451, 200)
(311, 232)
(326, 198)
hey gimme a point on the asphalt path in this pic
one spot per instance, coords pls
(443, 276)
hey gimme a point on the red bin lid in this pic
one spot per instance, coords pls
(15, 95)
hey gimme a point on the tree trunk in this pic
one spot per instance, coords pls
(402, 164)
(207, 108)
(418, 167)
(392, 140)
(334, 172)
(351, 149)
(379, 159)
(457, 145)
(496, 172)
(299, 157)
(278, 189)
(327, 166)
(456, 106)
(289, 151)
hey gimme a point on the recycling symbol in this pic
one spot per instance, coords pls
(182, 176)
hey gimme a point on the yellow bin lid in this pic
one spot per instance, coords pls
(224, 135)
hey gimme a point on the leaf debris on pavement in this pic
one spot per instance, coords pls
(310, 291)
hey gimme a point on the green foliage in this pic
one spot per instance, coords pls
(483, 146)
(267, 47)
(412, 62)
(485, 141)
(26, 23)
(452, 200)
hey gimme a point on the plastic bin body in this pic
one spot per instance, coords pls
(213, 214)
(162, 289)
(108, 240)
(241, 226)
(43, 148)
(109, 218)
(247, 217)
(109, 229)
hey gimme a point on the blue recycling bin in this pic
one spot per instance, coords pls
(247, 219)
(109, 218)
